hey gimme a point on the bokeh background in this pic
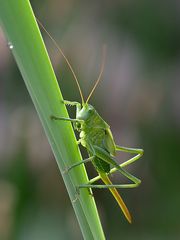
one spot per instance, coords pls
(139, 96)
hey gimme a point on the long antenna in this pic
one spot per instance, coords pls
(100, 74)
(68, 63)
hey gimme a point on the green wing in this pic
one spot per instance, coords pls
(109, 142)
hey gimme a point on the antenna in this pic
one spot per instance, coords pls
(67, 61)
(100, 74)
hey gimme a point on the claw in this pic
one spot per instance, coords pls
(65, 171)
(76, 195)
(76, 198)
(89, 191)
(77, 191)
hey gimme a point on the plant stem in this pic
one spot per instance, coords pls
(21, 29)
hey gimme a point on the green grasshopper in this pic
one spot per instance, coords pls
(95, 135)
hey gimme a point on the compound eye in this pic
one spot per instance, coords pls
(90, 110)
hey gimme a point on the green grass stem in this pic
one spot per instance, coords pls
(22, 32)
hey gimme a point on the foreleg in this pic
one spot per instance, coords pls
(77, 104)
(66, 119)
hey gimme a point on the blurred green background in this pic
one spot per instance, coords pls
(139, 97)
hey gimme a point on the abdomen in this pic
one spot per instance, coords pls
(95, 137)
(101, 165)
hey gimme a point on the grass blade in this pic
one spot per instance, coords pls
(22, 32)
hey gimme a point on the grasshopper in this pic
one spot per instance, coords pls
(96, 136)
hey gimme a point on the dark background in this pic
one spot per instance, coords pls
(138, 96)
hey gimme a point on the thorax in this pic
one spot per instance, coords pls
(93, 132)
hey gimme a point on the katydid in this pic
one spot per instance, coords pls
(95, 135)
